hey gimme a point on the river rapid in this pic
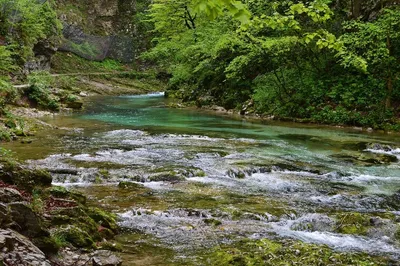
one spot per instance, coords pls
(183, 182)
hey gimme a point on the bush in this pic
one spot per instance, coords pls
(39, 91)
(7, 95)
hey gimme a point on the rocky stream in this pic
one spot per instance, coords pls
(192, 188)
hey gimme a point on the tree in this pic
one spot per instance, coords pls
(23, 24)
(373, 47)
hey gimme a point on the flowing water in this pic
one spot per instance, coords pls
(196, 181)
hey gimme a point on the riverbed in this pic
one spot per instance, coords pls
(183, 182)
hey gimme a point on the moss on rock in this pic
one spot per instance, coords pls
(76, 236)
(47, 244)
(353, 223)
(103, 218)
(26, 179)
(287, 252)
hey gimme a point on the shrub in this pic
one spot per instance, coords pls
(39, 91)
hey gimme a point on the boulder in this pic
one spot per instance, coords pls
(19, 250)
(5, 219)
(75, 105)
(25, 178)
(25, 220)
(105, 258)
(76, 236)
(8, 195)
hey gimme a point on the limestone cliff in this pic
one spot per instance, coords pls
(99, 29)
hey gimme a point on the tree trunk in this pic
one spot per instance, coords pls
(356, 12)
(389, 84)
(389, 79)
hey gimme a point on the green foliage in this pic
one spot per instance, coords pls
(39, 91)
(373, 48)
(23, 24)
(4, 153)
(69, 63)
(37, 203)
(7, 95)
(84, 48)
(305, 60)
(109, 64)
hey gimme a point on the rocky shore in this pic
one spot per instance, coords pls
(41, 224)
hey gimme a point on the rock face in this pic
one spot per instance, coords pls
(99, 29)
(43, 51)
(19, 250)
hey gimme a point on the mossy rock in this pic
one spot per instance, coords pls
(27, 179)
(75, 236)
(62, 192)
(112, 246)
(392, 202)
(47, 244)
(171, 176)
(366, 159)
(56, 220)
(76, 104)
(74, 212)
(26, 221)
(107, 220)
(397, 234)
(236, 174)
(287, 252)
(353, 223)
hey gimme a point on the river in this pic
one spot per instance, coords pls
(197, 180)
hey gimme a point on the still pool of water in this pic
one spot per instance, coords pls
(205, 180)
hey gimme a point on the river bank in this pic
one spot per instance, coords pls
(265, 119)
(41, 224)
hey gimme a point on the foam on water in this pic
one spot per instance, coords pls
(339, 241)
(149, 95)
(124, 133)
(395, 152)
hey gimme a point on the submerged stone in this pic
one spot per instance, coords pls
(167, 177)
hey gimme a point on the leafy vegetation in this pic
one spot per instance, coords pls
(324, 61)
(23, 25)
